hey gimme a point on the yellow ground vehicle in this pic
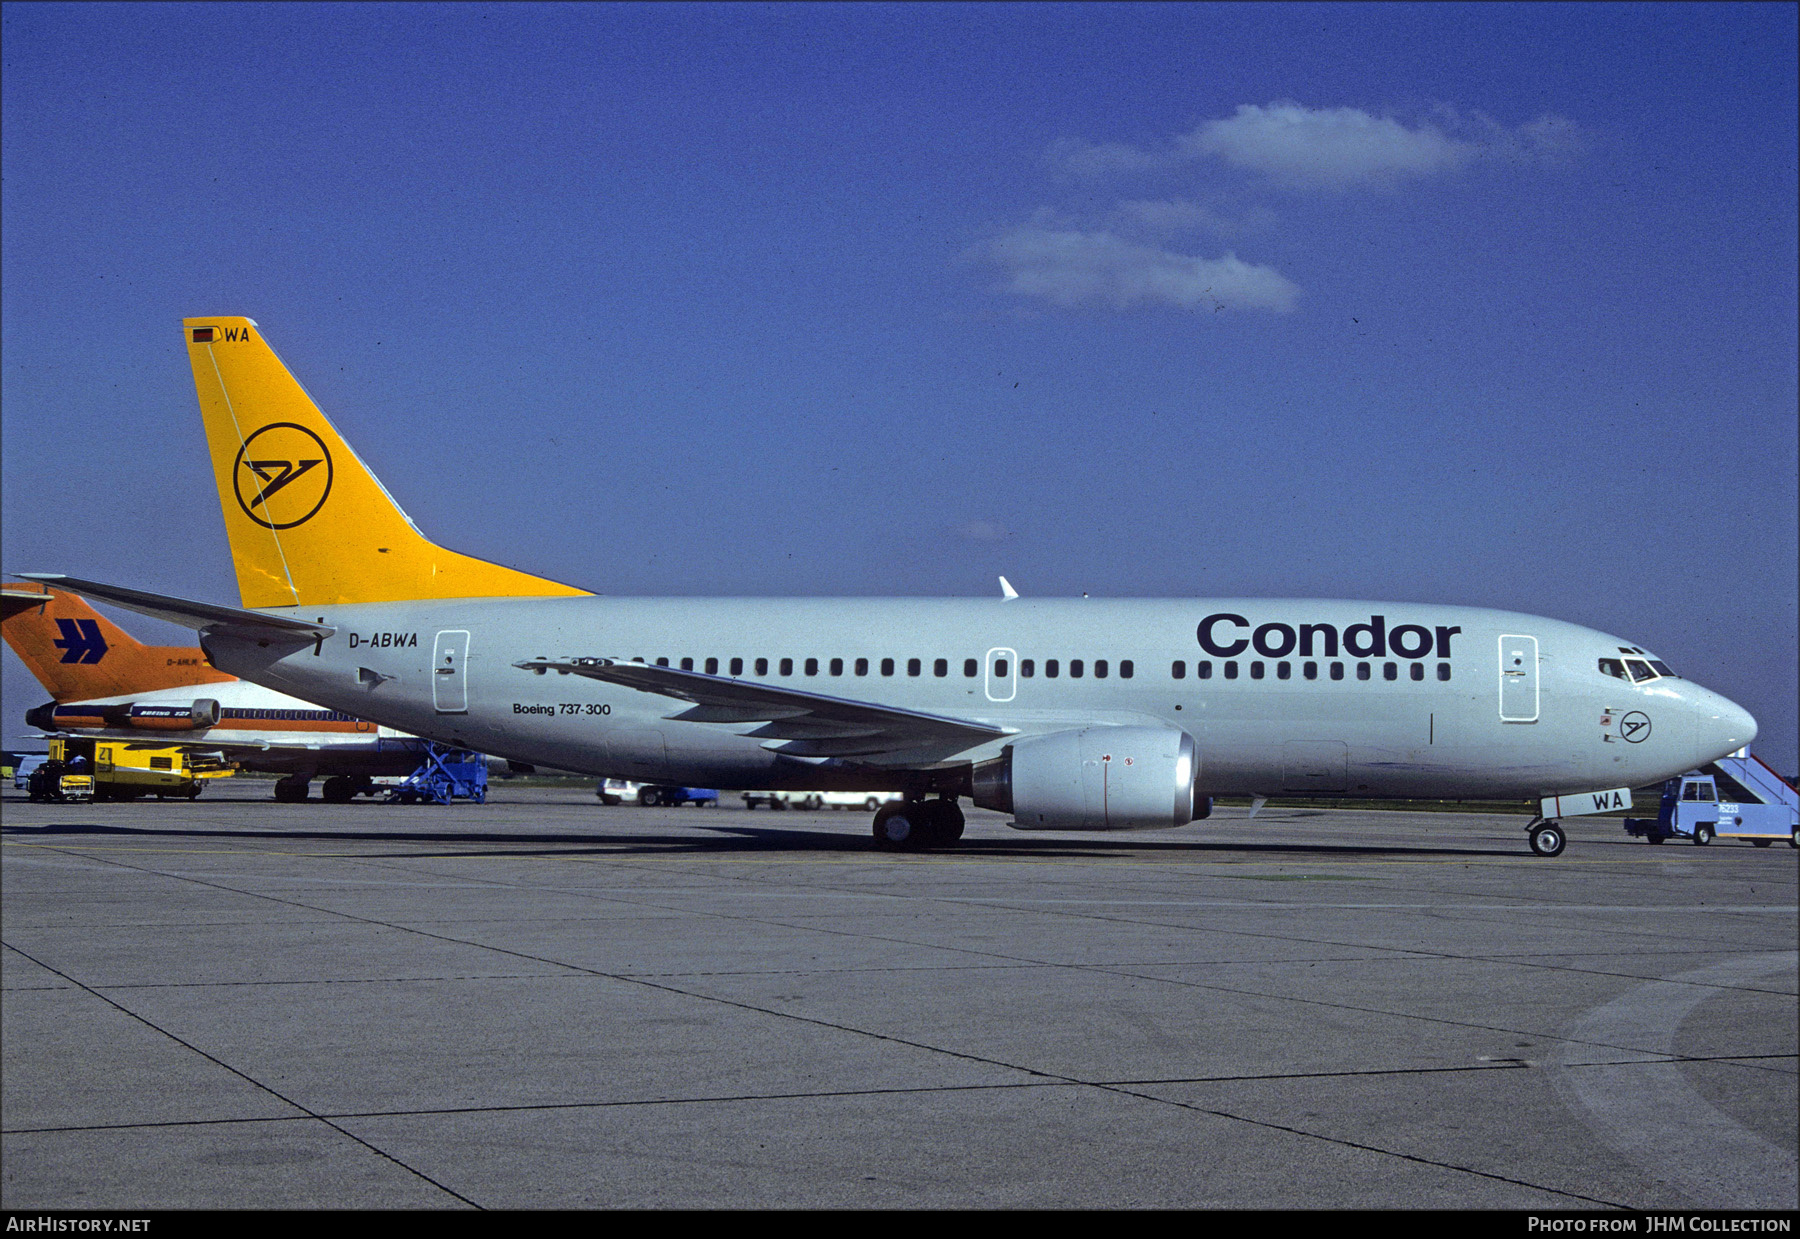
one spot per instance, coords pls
(118, 770)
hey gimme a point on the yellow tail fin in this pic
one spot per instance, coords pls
(78, 654)
(308, 523)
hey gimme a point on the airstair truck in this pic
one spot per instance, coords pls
(1736, 797)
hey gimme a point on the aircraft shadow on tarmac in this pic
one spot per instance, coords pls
(732, 840)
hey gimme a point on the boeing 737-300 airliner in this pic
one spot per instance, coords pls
(1069, 714)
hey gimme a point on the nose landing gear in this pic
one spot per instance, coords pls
(1546, 837)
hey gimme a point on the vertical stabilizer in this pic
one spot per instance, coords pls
(308, 523)
(80, 655)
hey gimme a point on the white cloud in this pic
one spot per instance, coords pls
(1070, 268)
(1332, 147)
(1095, 159)
(1165, 217)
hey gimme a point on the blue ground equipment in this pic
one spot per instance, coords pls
(445, 775)
(1736, 797)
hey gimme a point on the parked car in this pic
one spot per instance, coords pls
(869, 801)
(618, 791)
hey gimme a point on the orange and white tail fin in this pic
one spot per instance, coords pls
(78, 654)
(308, 522)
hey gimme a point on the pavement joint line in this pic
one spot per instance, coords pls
(249, 1079)
(838, 1026)
(1042, 1078)
(1370, 1148)
(964, 1056)
(740, 1098)
(1401, 952)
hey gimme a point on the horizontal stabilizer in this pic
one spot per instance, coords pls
(197, 615)
(809, 724)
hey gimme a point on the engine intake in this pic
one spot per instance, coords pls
(1095, 778)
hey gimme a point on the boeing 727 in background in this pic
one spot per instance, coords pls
(1078, 714)
(107, 685)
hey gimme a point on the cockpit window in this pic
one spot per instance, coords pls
(1661, 668)
(1640, 671)
(1612, 667)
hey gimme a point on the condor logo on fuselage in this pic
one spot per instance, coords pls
(1371, 640)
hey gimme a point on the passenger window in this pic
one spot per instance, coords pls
(787, 666)
(837, 666)
(687, 664)
(1126, 670)
(1362, 671)
(1099, 668)
(1256, 671)
(1001, 669)
(762, 667)
(1178, 670)
(1231, 671)
(1337, 671)
(812, 666)
(737, 666)
(1284, 671)
(1051, 668)
(1444, 671)
(1204, 670)
(712, 666)
(971, 668)
(862, 666)
(1310, 670)
(1075, 668)
(1612, 667)
(662, 662)
(1418, 671)
(913, 666)
(941, 668)
(1390, 671)
(1027, 668)
(887, 666)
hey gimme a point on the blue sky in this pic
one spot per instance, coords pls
(1473, 304)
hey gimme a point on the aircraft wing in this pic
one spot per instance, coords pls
(798, 723)
(200, 615)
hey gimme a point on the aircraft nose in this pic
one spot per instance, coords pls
(1721, 725)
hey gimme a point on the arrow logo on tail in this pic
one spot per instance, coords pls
(81, 641)
(277, 474)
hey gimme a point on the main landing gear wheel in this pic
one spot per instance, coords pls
(914, 824)
(1547, 839)
(293, 789)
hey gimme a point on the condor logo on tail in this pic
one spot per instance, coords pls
(282, 475)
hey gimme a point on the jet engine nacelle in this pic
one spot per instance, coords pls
(174, 716)
(1096, 778)
(167, 716)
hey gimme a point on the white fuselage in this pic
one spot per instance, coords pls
(1284, 696)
